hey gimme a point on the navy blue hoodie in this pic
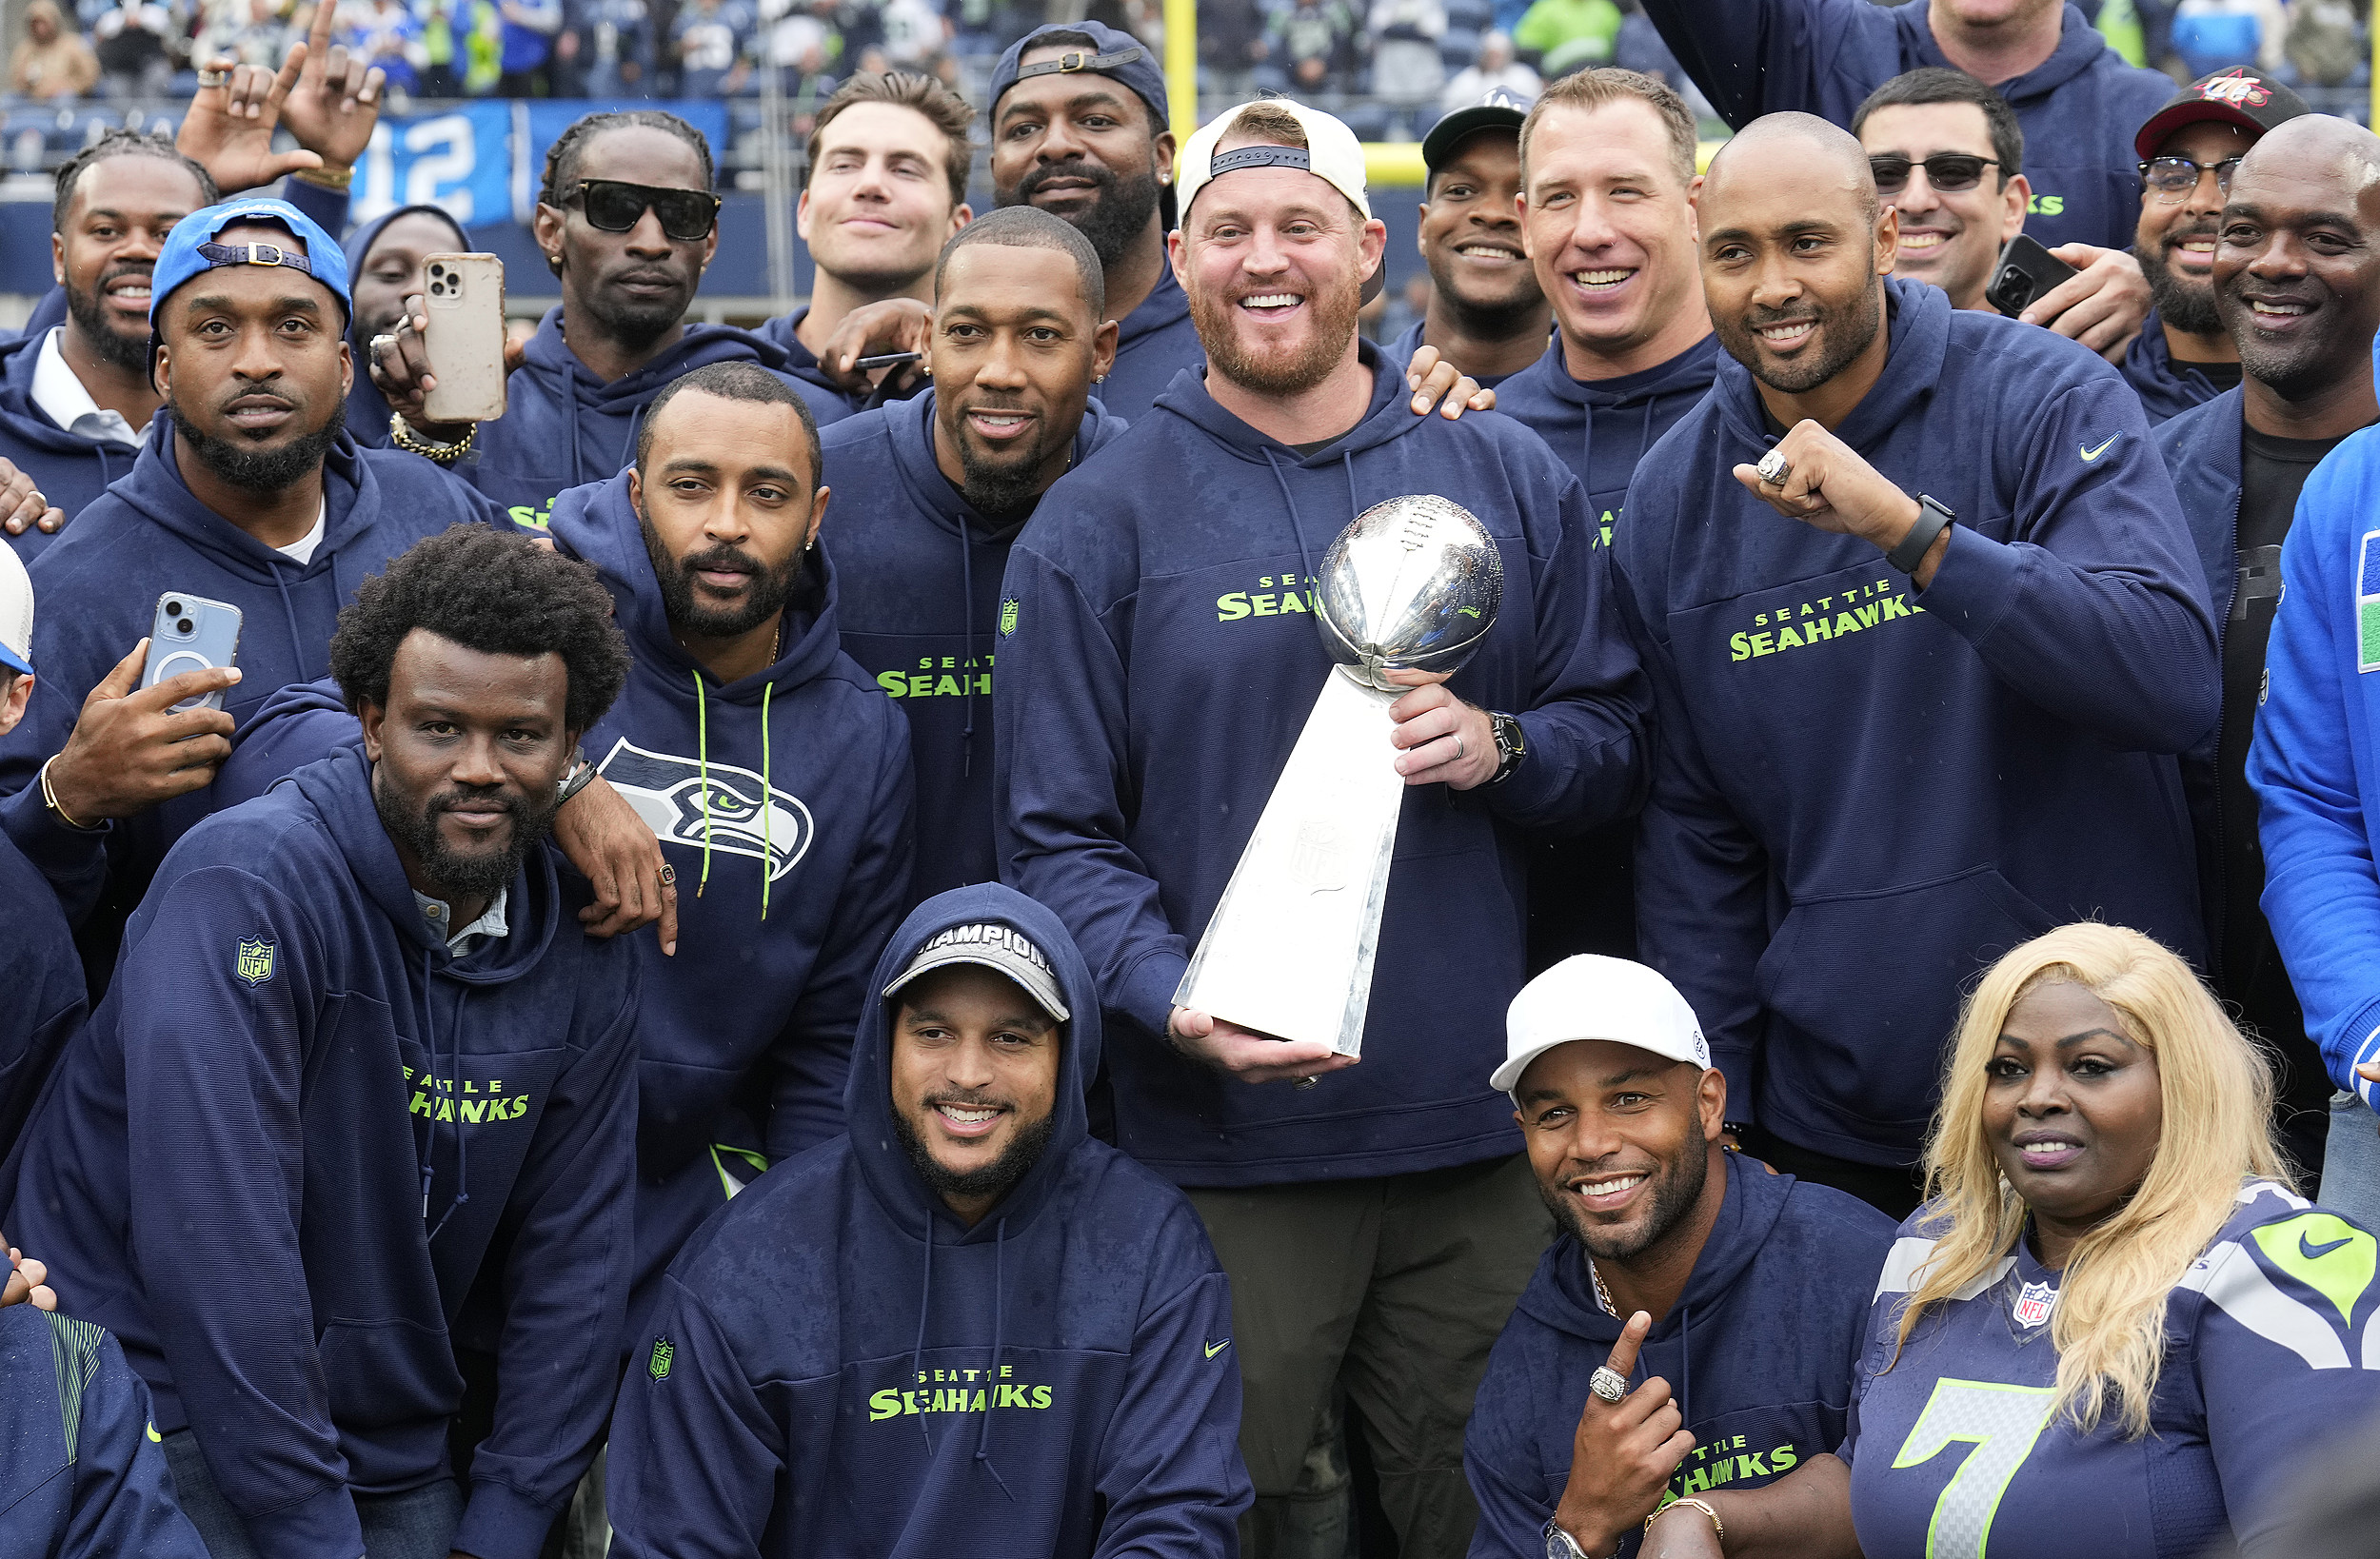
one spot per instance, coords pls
(368, 409)
(2167, 386)
(564, 427)
(98, 588)
(288, 1141)
(46, 996)
(918, 572)
(1861, 797)
(2079, 109)
(82, 1475)
(69, 470)
(828, 404)
(1604, 428)
(1073, 1397)
(1153, 343)
(1161, 663)
(1759, 1352)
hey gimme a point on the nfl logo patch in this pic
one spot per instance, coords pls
(255, 959)
(2033, 1302)
(1008, 617)
(662, 1352)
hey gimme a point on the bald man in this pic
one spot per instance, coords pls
(2297, 287)
(1926, 635)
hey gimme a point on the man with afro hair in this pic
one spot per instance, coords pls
(359, 1063)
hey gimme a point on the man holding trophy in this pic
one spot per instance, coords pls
(1400, 696)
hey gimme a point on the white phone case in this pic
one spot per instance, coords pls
(464, 297)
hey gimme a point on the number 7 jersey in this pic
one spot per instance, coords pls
(2270, 1347)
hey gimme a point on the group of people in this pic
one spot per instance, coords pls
(447, 1055)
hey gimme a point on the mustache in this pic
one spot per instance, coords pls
(1760, 316)
(1098, 174)
(2195, 227)
(450, 801)
(967, 1098)
(721, 558)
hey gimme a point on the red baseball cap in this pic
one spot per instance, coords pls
(2238, 97)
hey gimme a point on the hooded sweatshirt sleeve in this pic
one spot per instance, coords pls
(123, 1501)
(695, 1454)
(1499, 1459)
(1752, 57)
(74, 861)
(213, 1071)
(567, 1290)
(2095, 608)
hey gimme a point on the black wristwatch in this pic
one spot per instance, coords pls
(1934, 517)
(1511, 745)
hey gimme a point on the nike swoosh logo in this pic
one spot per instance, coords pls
(1215, 1348)
(2316, 1252)
(2089, 455)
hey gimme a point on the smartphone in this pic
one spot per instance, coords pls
(464, 297)
(885, 360)
(2026, 270)
(190, 634)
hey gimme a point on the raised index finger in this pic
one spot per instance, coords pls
(1623, 1359)
(318, 32)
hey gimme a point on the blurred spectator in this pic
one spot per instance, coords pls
(479, 32)
(1640, 47)
(248, 31)
(916, 36)
(710, 37)
(2212, 35)
(789, 35)
(1313, 43)
(51, 62)
(2325, 43)
(1566, 35)
(389, 35)
(1405, 62)
(133, 39)
(1231, 38)
(619, 49)
(527, 40)
(1495, 67)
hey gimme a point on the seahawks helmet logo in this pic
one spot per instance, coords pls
(668, 793)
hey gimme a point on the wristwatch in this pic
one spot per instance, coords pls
(1560, 1545)
(1511, 745)
(1934, 517)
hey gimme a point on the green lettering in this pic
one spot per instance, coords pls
(1784, 1458)
(476, 1110)
(1740, 646)
(1292, 602)
(1895, 607)
(885, 1403)
(1231, 607)
(1867, 615)
(1815, 630)
(1041, 1396)
(1787, 638)
(1752, 1466)
(977, 1400)
(946, 686)
(1697, 1480)
(421, 1105)
(892, 682)
(1760, 645)
(921, 687)
(1846, 622)
(1263, 606)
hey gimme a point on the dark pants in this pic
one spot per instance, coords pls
(1892, 1189)
(1392, 1290)
(418, 1523)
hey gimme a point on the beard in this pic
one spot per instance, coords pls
(1284, 371)
(2187, 306)
(770, 589)
(478, 873)
(1844, 334)
(90, 314)
(1487, 319)
(994, 1179)
(262, 472)
(1001, 488)
(1119, 213)
(634, 324)
(1674, 1192)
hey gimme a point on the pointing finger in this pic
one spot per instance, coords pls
(1623, 1359)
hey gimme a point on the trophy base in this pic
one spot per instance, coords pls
(1290, 947)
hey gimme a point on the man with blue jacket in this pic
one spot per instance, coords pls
(1748, 1290)
(2297, 283)
(1158, 668)
(361, 1080)
(1923, 656)
(965, 1327)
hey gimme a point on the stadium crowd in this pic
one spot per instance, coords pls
(576, 969)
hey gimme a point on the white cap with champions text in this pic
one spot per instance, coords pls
(994, 945)
(16, 612)
(1594, 997)
(1331, 153)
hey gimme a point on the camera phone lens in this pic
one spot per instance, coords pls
(183, 627)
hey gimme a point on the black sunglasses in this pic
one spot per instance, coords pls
(687, 215)
(2173, 178)
(1948, 172)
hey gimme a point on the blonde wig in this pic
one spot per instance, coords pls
(2110, 1321)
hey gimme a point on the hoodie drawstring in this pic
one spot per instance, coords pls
(925, 1307)
(702, 768)
(768, 800)
(454, 1075)
(1297, 528)
(1000, 1282)
(288, 613)
(769, 790)
(966, 672)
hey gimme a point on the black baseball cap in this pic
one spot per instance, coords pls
(2249, 99)
(1502, 109)
(1116, 54)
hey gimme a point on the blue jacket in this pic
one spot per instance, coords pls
(920, 573)
(1850, 777)
(2079, 109)
(82, 1475)
(298, 1131)
(1759, 1352)
(1604, 428)
(828, 404)
(1153, 343)
(1087, 1405)
(98, 587)
(47, 1001)
(2166, 386)
(1162, 663)
(368, 409)
(563, 427)
(69, 470)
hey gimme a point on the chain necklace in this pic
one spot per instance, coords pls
(1602, 1295)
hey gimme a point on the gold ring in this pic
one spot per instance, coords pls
(213, 78)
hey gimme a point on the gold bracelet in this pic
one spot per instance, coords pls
(336, 180)
(401, 434)
(1717, 1530)
(50, 799)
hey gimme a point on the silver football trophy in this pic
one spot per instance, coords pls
(1413, 585)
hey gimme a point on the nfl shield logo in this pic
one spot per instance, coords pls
(1008, 617)
(662, 1352)
(255, 965)
(2033, 1302)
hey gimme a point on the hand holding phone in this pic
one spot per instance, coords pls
(464, 299)
(2025, 272)
(192, 633)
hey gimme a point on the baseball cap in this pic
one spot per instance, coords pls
(1590, 997)
(191, 250)
(1502, 109)
(1331, 153)
(2249, 99)
(1116, 54)
(994, 945)
(16, 612)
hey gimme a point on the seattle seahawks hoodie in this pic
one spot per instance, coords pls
(69, 469)
(297, 1130)
(1862, 793)
(1602, 428)
(1153, 343)
(827, 401)
(839, 1368)
(919, 574)
(368, 409)
(1160, 664)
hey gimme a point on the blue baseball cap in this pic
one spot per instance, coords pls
(191, 250)
(1116, 53)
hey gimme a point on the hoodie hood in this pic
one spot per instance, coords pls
(884, 1164)
(1602, 429)
(2167, 386)
(910, 427)
(1917, 324)
(368, 409)
(69, 470)
(1153, 343)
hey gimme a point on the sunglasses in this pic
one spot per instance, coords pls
(687, 215)
(2173, 178)
(1948, 172)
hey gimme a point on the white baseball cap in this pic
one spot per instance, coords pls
(1594, 997)
(16, 612)
(1331, 153)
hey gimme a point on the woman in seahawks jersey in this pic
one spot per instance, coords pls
(2113, 1332)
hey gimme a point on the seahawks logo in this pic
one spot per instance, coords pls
(668, 793)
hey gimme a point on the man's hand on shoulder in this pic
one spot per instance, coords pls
(2103, 307)
(1437, 383)
(605, 840)
(23, 506)
(27, 1283)
(1247, 1054)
